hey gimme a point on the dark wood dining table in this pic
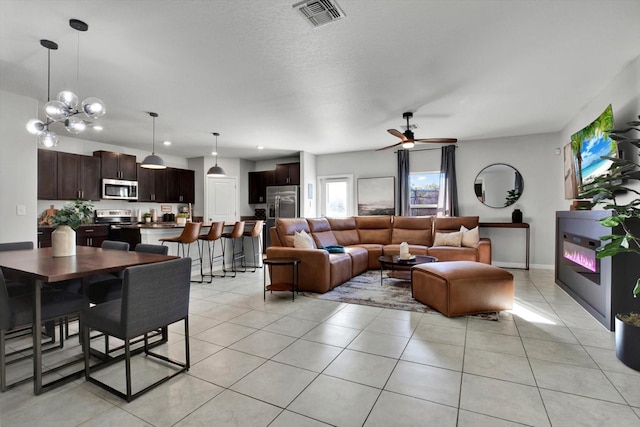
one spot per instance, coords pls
(40, 266)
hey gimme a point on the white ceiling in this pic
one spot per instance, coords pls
(257, 73)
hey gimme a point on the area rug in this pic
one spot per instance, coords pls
(395, 294)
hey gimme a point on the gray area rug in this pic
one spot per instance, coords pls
(395, 294)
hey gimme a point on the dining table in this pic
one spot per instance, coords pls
(39, 266)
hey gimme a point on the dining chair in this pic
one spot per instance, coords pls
(142, 309)
(14, 285)
(254, 234)
(235, 235)
(152, 249)
(107, 286)
(214, 234)
(16, 312)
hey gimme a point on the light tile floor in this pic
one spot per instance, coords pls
(313, 362)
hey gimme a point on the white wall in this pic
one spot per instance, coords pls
(308, 199)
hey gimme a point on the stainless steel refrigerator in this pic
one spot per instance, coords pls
(282, 202)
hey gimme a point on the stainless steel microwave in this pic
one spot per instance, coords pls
(119, 189)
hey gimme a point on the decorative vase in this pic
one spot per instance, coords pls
(63, 241)
(628, 344)
(516, 216)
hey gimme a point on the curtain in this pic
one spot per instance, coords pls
(403, 182)
(448, 197)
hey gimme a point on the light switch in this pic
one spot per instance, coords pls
(21, 210)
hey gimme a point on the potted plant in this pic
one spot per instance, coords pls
(181, 218)
(66, 221)
(147, 216)
(606, 191)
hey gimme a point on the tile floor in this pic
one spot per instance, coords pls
(314, 363)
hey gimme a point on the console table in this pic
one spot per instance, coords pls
(517, 225)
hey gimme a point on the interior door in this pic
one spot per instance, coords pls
(221, 200)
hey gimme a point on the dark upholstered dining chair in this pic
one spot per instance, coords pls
(17, 313)
(106, 287)
(142, 309)
(152, 249)
(16, 287)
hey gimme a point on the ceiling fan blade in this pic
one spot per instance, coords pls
(437, 140)
(390, 146)
(398, 134)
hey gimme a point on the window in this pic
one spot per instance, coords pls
(424, 189)
(336, 196)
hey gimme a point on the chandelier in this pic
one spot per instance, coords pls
(66, 107)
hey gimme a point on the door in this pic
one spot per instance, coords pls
(221, 200)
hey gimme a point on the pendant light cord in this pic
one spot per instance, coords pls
(153, 141)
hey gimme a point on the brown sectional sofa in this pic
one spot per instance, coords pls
(365, 239)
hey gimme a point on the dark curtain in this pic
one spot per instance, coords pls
(403, 182)
(448, 198)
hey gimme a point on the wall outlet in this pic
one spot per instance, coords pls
(21, 210)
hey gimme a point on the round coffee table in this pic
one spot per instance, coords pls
(401, 269)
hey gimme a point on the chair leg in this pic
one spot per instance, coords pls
(127, 358)
(3, 364)
(186, 343)
(86, 348)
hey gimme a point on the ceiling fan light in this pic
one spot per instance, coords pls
(408, 144)
(216, 171)
(35, 126)
(153, 162)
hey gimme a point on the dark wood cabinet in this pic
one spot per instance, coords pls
(78, 177)
(258, 183)
(47, 175)
(288, 174)
(92, 235)
(44, 237)
(151, 184)
(117, 165)
(180, 186)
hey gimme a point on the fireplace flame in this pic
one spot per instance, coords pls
(581, 256)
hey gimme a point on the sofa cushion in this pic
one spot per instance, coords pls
(344, 230)
(374, 229)
(287, 227)
(453, 223)
(415, 230)
(322, 234)
(451, 253)
(303, 240)
(470, 238)
(448, 239)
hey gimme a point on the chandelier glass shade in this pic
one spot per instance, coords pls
(66, 107)
(216, 171)
(153, 161)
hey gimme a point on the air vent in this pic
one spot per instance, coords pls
(320, 12)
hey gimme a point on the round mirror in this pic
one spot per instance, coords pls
(498, 185)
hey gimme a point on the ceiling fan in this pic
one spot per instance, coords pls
(408, 141)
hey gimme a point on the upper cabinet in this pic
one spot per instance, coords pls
(117, 165)
(151, 184)
(78, 177)
(288, 174)
(258, 183)
(180, 185)
(47, 174)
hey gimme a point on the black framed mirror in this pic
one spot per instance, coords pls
(498, 185)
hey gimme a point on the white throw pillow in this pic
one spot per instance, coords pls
(448, 239)
(470, 238)
(303, 240)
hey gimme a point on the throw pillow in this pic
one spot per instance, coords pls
(470, 238)
(303, 240)
(448, 239)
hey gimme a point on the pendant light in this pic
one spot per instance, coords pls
(216, 171)
(152, 161)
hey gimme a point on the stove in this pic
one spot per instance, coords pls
(114, 216)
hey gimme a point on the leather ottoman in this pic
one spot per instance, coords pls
(456, 288)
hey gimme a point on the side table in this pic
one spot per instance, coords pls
(282, 286)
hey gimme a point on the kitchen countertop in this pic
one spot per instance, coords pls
(151, 225)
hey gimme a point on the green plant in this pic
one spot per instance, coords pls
(147, 215)
(182, 215)
(512, 197)
(607, 190)
(72, 214)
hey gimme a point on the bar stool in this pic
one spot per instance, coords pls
(235, 235)
(254, 234)
(187, 237)
(214, 234)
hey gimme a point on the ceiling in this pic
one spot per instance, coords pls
(259, 74)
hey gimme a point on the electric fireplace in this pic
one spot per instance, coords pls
(602, 286)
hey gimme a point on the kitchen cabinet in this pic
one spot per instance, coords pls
(288, 174)
(47, 175)
(44, 237)
(180, 186)
(78, 177)
(92, 235)
(117, 165)
(258, 183)
(151, 184)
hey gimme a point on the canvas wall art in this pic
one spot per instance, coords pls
(376, 196)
